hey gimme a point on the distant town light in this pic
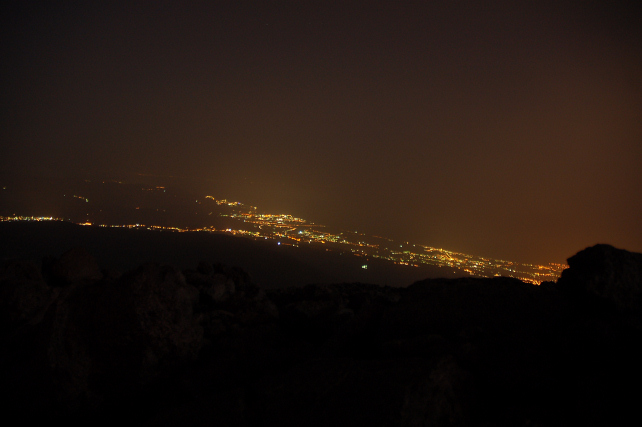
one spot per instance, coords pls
(273, 226)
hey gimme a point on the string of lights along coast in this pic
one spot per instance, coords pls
(244, 220)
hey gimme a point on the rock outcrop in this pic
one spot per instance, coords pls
(606, 276)
(210, 346)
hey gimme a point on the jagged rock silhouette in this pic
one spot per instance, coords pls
(209, 345)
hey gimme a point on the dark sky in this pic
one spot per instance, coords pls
(508, 129)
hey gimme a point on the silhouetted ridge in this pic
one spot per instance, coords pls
(208, 345)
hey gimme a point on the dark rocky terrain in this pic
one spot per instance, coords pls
(208, 346)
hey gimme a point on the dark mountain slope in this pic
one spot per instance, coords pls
(269, 264)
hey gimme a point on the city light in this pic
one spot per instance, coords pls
(289, 230)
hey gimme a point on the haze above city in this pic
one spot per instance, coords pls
(508, 130)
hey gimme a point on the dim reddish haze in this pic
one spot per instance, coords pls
(505, 129)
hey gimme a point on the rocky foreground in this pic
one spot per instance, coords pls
(159, 346)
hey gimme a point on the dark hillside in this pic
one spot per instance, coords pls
(270, 265)
(207, 345)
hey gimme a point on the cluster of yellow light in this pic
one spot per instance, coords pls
(228, 203)
(277, 220)
(29, 218)
(290, 230)
(297, 230)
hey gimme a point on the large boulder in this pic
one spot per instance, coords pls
(228, 300)
(599, 344)
(107, 340)
(606, 276)
(163, 303)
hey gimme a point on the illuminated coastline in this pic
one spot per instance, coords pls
(288, 230)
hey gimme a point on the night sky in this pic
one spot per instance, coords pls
(508, 129)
